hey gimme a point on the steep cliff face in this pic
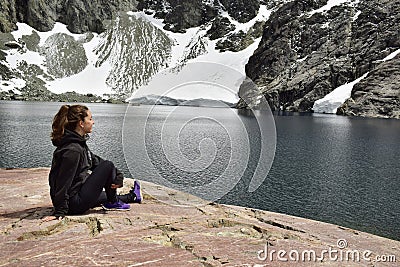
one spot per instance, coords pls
(305, 53)
(8, 16)
(80, 16)
(181, 15)
(135, 49)
(241, 10)
(378, 95)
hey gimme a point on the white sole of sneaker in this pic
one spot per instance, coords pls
(104, 208)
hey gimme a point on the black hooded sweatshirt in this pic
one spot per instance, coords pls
(72, 164)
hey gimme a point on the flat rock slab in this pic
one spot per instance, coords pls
(171, 228)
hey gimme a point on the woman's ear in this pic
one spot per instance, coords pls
(81, 124)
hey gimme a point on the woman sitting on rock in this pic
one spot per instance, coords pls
(77, 176)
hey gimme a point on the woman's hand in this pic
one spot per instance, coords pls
(51, 218)
(115, 186)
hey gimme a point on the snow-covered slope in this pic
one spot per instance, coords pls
(114, 62)
(332, 3)
(48, 55)
(333, 100)
(195, 60)
(126, 59)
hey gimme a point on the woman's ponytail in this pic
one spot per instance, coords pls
(67, 118)
(59, 122)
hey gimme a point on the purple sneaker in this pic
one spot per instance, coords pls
(137, 192)
(119, 205)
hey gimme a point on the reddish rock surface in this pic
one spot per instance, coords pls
(162, 231)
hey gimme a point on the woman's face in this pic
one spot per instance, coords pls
(87, 123)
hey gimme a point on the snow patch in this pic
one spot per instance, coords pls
(356, 15)
(58, 28)
(391, 56)
(23, 29)
(262, 15)
(330, 4)
(302, 59)
(13, 84)
(336, 98)
(14, 58)
(325, 25)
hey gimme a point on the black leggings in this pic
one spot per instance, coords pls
(88, 196)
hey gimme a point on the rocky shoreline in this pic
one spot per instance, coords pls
(52, 97)
(169, 228)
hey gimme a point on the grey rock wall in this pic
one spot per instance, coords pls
(79, 15)
(378, 95)
(8, 16)
(302, 57)
(241, 10)
(180, 15)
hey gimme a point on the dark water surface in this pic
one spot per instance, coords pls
(330, 168)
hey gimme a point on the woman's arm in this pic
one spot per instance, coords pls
(68, 169)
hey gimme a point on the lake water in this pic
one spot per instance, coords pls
(330, 168)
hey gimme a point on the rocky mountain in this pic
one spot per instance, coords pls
(136, 50)
(29, 80)
(169, 101)
(121, 51)
(296, 51)
(376, 95)
(306, 52)
(80, 16)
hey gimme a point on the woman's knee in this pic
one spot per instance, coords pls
(106, 164)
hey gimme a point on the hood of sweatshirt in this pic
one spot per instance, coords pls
(70, 137)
